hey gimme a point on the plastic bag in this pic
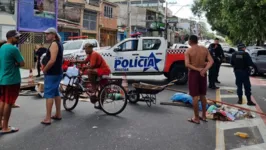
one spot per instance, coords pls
(181, 97)
(185, 98)
(71, 72)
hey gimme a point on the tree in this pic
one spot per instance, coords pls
(240, 20)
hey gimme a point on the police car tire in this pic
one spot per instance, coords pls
(177, 70)
(166, 74)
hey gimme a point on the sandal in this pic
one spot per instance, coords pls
(193, 121)
(56, 118)
(45, 123)
(12, 130)
(204, 120)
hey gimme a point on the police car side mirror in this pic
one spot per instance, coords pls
(116, 49)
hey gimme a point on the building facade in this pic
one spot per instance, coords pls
(8, 15)
(108, 23)
(69, 18)
(90, 19)
(78, 19)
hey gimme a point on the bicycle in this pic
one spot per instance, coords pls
(106, 90)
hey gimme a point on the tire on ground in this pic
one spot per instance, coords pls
(180, 73)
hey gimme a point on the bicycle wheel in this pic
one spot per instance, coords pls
(113, 95)
(70, 98)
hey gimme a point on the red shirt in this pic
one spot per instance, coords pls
(96, 61)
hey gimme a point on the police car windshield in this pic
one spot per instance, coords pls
(73, 45)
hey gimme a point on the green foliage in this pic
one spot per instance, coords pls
(239, 20)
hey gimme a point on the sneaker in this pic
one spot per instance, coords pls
(217, 81)
(250, 103)
(239, 102)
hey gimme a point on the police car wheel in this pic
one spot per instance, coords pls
(253, 70)
(178, 73)
(166, 75)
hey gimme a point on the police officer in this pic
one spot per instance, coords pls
(213, 70)
(241, 61)
(219, 55)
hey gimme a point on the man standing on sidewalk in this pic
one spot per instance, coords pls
(219, 56)
(10, 79)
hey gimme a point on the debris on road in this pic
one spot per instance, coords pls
(94, 127)
(241, 134)
(230, 91)
(241, 108)
(225, 112)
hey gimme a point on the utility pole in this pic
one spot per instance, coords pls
(157, 16)
(129, 17)
(166, 23)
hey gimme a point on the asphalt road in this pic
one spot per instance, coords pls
(137, 128)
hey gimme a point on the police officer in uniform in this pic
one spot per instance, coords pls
(213, 70)
(219, 56)
(241, 61)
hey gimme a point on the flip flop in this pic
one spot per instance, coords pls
(56, 118)
(204, 120)
(12, 130)
(193, 121)
(45, 123)
(1, 127)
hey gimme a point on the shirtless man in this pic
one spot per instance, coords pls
(195, 60)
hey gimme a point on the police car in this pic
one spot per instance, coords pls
(146, 56)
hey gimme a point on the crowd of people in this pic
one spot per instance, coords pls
(10, 79)
(198, 59)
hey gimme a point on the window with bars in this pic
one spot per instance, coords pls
(90, 20)
(108, 11)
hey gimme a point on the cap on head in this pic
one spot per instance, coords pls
(51, 30)
(12, 33)
(88, 45)
(240, 46)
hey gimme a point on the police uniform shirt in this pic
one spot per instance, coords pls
(241, 60)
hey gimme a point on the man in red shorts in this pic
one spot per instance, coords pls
(97, 66)
(10, 62)
(195, 60)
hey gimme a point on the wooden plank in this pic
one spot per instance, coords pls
(175, 104)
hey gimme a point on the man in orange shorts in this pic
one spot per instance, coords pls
(97, 66)
(10, 62)
(195, 60)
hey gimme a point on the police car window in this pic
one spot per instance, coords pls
(73, 45)
(262, 53)
(151, 44)
(131, 45)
